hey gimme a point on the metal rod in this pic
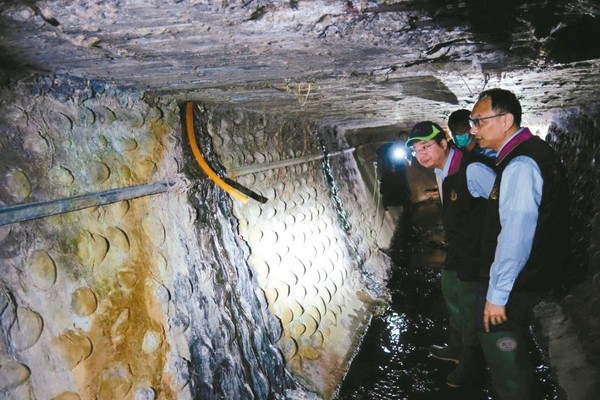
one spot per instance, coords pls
(252, 169)
(26, 212)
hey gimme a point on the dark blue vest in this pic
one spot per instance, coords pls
(463, 217)
(546, 264)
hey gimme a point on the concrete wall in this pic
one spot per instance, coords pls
(187, 293)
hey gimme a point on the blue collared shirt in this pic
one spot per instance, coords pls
(480, 177)
(441, 174)
(486, 152)
(520, 197)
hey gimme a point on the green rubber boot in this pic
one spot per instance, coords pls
(509, 365)
(451, 293)
(451, 351)
(470, 370)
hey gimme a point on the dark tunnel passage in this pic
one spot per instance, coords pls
(393, 361)
(310, 269)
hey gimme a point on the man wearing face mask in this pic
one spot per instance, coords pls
(458, 123)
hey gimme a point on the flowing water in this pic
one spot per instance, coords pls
(393, 361)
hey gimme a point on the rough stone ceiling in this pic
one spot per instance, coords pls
(349, 63)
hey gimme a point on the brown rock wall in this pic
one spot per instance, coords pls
(186, 293)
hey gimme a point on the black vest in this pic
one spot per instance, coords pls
(463, 216)
(546, 264)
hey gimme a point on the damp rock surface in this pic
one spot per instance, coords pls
(187, 293)
(354, 64)
(68, 280)
(164, 295)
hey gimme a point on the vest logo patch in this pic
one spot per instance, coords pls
(494, 193)
(506, 344)
(453, 195)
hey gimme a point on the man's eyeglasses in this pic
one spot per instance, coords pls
(423, 149)
(477, 121)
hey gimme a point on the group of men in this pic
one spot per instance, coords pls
(505, 214)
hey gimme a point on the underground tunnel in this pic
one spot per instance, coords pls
(192, 201)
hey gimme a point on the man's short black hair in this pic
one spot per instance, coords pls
(504, 101)
(459, 120)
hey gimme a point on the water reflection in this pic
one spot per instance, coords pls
(393, 362)
(397, 325)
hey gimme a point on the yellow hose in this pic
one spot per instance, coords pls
(203, 164)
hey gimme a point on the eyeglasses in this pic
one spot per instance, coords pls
(423, 149)
(477, 121)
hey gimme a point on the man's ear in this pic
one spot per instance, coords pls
(509, 120)
(444, 144)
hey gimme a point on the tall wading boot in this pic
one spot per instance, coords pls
(470, 370)
(509, 365)
(450, 352)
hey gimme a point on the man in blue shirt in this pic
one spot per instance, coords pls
(460, 176)
(525, 238)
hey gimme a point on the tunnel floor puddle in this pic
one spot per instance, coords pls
(393, 361)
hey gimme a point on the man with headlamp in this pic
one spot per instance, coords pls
(460, 176)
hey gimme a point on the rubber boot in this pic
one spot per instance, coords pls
(450, 352)
(509, 365)
(470, 370)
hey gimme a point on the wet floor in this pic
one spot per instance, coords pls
(393, 361)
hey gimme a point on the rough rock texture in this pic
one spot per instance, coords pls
(577, 376)
(104, 301)
(85, 294)
(185, 294)
(311, 243)
(574, 134)
(350, 63)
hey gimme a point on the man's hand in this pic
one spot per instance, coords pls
(493, 314)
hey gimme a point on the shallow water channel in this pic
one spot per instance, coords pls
(393, 361)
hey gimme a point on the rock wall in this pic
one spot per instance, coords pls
(187, 293)
(574, 134)
(85, 295)
(312, 243)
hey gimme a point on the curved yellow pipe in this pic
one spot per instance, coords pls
(203, 164)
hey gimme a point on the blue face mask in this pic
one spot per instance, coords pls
(462, 140)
